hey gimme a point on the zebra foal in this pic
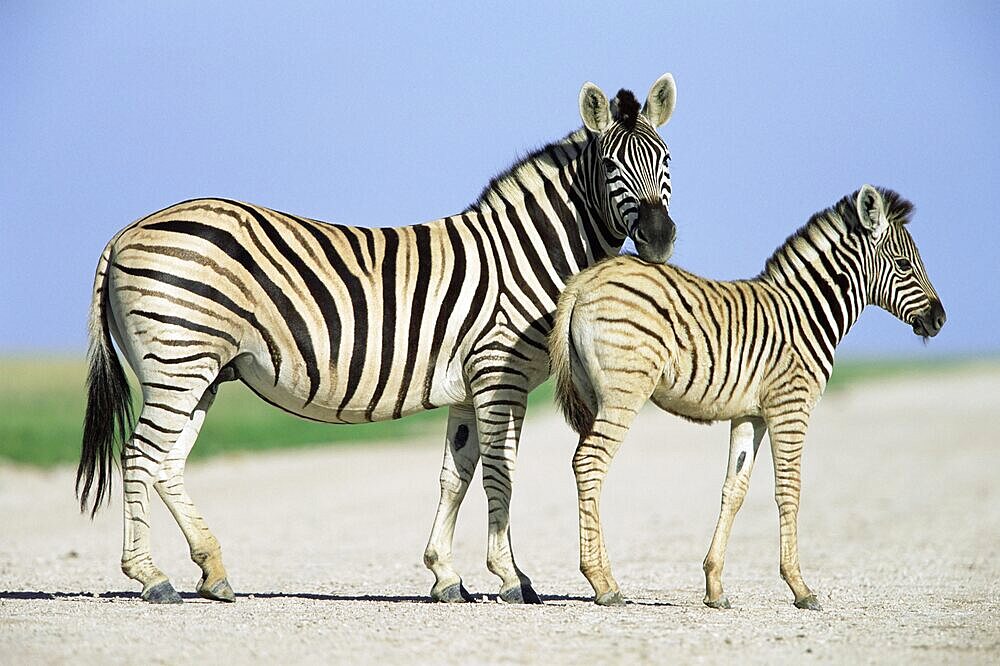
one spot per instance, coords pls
(755, 352)
(351, 325)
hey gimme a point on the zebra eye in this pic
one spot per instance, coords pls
(903, 264)
(609, 164)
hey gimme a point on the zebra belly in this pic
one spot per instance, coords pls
(291, 395)
(691, 405)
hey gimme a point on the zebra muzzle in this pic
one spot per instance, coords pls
(929, 323)
(654, 233)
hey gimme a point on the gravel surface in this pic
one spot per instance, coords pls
(899, 537)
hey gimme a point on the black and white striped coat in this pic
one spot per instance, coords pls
(754, 352)
(351, 324)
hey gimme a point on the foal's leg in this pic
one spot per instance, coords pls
(787, 429)
(621, 403)
(205, 550)
(745, 436)
(461, 455)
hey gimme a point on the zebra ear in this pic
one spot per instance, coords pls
(659, 104)
(594, 108)
(871, 211)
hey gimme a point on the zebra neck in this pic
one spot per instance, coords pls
(819, 272)
(553, 200)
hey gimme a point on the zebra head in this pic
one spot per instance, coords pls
(897, 281)
(632, 171)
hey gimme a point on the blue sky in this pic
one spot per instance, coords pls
(395, 115)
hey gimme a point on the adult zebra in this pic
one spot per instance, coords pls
(757, 352)
(350, 325)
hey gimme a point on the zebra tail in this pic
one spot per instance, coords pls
(574, 406)
(109, 401)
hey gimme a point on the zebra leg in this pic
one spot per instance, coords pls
(620, 395)
(499, 414)
(161, 422)
(745, 436)
(787, 430)
(590, 465)
(205, 550)
(461, 455)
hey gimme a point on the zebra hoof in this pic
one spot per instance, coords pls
(162, 593)
(221, 591)
(453, 594)
(721, 603)
(612, 598)
(808, 603)
(522, 594)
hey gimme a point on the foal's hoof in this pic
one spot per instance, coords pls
(221, 591)
(522, 594)
(162, 593)
(808, 603)
(453, 594)
(612, 598)
(722, 603)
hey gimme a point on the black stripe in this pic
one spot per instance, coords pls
(165, 387)
(422, 245)
(482, 286)
(185, 323)
(352, 240)
(166, 408)
(739, 337)
(451, 296)
(389, 259)
(183, 359)
(369, 235)
(146, 422)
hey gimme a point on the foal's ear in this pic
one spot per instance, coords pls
(659, 104)
(871, 211)
(594, 108)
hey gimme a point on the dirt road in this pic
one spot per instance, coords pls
(899, 535)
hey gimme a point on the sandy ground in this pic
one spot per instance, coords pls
(899, 534)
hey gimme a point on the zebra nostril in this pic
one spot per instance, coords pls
(938, 316)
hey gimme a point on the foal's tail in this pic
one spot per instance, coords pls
(572, 402)
(109, 400)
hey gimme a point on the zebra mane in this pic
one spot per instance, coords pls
(898, 210)
(525, 170)
(627, 109)
(841, 217)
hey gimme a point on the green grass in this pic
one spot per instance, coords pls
(42, 403)
(851, 372)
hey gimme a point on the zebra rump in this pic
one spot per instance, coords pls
(577, 410)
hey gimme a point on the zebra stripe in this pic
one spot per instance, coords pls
(756, 352)
(348, 325)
